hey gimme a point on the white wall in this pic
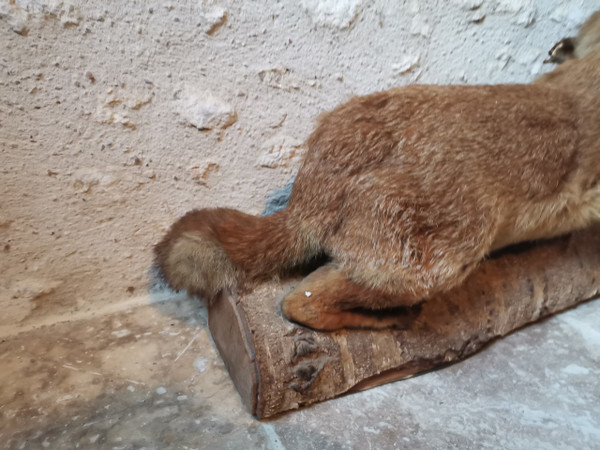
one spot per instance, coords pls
(117, 117)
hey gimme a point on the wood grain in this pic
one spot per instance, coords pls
(279, 366)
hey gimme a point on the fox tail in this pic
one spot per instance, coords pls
(209, 250)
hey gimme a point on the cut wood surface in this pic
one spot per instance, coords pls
(279, 366)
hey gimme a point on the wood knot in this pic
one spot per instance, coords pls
(304, 345)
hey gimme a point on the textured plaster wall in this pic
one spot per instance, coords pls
(117, 117)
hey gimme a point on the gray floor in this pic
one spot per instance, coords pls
(147, 376)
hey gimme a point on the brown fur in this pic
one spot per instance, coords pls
(407, 190)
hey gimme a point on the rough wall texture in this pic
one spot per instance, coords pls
(117, 117)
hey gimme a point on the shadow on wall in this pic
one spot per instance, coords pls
(176, 304)
(279, 198)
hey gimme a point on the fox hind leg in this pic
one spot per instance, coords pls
(327, 300)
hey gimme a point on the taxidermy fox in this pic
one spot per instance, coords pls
(407, 190)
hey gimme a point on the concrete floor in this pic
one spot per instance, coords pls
(144, 373)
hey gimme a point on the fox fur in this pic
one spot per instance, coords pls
(407, 190)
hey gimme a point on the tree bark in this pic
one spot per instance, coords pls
(278, 366)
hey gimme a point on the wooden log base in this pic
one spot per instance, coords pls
(279, 366)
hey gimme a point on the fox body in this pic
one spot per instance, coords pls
(406, 191)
